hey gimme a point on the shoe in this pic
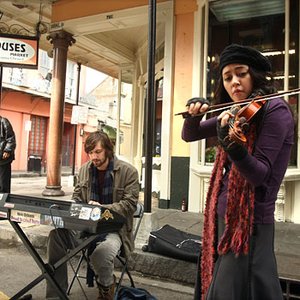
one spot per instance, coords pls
(106, 293)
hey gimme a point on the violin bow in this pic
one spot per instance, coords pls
(224, 106)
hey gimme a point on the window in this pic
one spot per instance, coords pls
(267, 34)
(70, 92)
(37, 137)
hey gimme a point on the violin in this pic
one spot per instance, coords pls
(240, 119)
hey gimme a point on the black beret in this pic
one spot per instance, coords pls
(245, 55)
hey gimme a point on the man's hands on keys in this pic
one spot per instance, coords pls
(94, 203)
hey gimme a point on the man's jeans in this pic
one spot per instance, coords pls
(102, 259)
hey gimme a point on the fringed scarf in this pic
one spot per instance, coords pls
(105, 198)
(107, 189)
(238, 216)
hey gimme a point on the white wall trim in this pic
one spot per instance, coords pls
(167, 104)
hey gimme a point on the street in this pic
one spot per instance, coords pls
(18, 269)
(34, 186)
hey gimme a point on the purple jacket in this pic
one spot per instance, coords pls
(266, 167)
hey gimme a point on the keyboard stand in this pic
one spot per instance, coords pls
(46, 269)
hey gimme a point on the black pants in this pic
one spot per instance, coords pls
(250, 277)
(5, 178)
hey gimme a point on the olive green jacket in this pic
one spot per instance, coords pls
(125, 196)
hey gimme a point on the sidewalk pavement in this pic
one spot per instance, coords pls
(287, 236)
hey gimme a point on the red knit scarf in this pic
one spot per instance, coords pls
(238, 216)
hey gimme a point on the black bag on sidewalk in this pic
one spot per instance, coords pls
(130, 293)
(174, 243)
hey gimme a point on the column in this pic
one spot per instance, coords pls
(61, 40)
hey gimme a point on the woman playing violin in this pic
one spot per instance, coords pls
(238, 260)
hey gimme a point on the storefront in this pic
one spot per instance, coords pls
(190, 35)
(262, 25)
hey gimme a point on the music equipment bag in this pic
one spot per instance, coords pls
(131, 293)
(172, 242)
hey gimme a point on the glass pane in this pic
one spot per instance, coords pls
(263, 33)
(158, 117)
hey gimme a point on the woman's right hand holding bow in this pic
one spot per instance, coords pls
(197, 105)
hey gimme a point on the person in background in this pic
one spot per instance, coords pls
(7, 153)
(238, 260)
(103, 181)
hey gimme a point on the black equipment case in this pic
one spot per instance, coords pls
(172, 242)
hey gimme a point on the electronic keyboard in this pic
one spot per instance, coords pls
(59, 213)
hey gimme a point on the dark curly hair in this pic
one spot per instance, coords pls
(99, 136)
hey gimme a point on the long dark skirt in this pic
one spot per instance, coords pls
(248, 277)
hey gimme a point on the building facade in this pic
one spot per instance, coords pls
(112, 37)
(190, 37)
(25, 102)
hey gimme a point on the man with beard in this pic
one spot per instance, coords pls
(103, 181)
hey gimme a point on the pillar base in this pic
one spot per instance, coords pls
(53, 191)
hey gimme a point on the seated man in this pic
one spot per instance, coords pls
(105, 181)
